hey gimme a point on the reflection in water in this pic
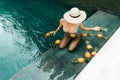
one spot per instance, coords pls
(61, 70)
(57, 65)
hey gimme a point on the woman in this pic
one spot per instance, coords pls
(70, 22)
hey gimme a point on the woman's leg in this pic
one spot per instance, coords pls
(64, 41)
(74, 43)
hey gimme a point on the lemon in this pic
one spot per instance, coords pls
(84, 34)
(72, 35)
(87, 55)
(93, 53)
(89, 46)
(47, 34)
(80, 60)
(99, 35)
(57, 42)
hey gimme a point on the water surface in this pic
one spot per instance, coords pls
(23, 25)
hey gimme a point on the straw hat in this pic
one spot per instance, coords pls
(75, 16)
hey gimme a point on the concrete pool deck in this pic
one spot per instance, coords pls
(105, 65)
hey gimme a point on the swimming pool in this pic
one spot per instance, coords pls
(23, 25)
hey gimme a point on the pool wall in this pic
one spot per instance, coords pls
(110, 6)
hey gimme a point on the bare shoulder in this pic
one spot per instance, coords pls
(81, 25)
(62, 20)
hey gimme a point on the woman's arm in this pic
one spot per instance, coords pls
(85, 28)
(59, 27)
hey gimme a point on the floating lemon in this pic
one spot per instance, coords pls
(93, 53)
(57, 42)
(48, 34)
(99, 35)
(84, 34)
(87, 55)
(80, 60)
(89, 46)
(72, 35)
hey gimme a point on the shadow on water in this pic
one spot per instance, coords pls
(59, 69)
(23, 24)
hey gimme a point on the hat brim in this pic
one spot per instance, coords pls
(77, 20)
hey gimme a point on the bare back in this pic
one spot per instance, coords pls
(69, 27)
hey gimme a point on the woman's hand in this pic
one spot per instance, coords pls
(50, 33)
(97, 28)
(53, 32)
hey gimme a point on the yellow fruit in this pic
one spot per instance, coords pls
(47, 34)
(84, 34)
(80, 60)
(93, 53)
(72, 35)
(87, 55)
(99, 35)
(89, 46)
(57, 42)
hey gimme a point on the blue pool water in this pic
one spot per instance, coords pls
(23, 24)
